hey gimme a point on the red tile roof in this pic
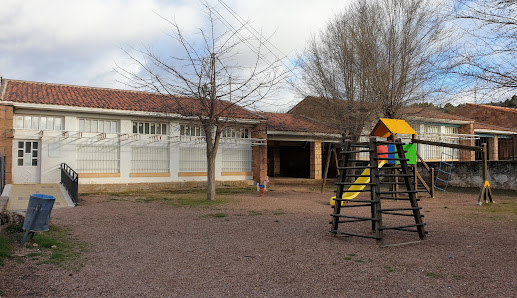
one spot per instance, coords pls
(478, 125)
(431, 113)
(294, 123)
(498, 116)
(502, 109)
(113, 99)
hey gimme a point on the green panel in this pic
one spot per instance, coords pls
(411, 154)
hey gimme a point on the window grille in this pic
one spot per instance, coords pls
(434, 133)
(450, 136)
(38, 122)
(98, 158)
(428, 152)
(237, 160)
(150, 159)
(193, 159)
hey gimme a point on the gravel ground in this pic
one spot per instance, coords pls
(273, 246)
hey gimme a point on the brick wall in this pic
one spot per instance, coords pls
(259, 153)
(6, 139)
(493, 148)
(276, 161)
(316, 160)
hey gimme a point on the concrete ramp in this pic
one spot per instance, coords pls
(18, 195)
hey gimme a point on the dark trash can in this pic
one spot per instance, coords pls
(37, 217)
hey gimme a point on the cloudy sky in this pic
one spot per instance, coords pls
(79, 42)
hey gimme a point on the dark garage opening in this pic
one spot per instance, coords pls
(295, 161)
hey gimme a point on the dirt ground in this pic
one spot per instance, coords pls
(273, 246)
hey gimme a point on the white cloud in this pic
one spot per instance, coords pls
(77, 42)
(53, 25)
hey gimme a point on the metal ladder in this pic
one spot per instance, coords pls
(443, 175)
(387, 177)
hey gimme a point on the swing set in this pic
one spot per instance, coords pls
(394, 183)
(389, 128)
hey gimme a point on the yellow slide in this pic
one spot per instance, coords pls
(358, 187)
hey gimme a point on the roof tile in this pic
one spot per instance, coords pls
(294, 123)
(114, 99)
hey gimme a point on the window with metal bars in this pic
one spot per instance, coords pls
(150, 159)
(237, 160)
(193, 159)
(98, 158)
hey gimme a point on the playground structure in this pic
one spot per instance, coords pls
(486, 192)
(400, 178)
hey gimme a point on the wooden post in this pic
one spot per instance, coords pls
(325, 173)
(415, 177)
(485, 163)
(411, 194)
(432, 183)
(395, 186)
(345, 146)
(486, 191)
(375, 188)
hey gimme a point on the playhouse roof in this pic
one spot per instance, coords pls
(386, 127)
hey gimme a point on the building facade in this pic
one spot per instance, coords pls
(117, 136)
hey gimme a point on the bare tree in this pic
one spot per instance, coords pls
(209, 73)
(490, 51)
(378, 55)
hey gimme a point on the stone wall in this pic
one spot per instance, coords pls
(502, 174)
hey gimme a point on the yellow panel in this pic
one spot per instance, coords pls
(191, 174)
(98, 175)
(351, 195)
(385, 127)
(164, 174)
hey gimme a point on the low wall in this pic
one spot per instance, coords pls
(502, 174)
(93, 188)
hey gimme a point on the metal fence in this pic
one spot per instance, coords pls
(237, 159)
(193, 159)
(150, 159)
(70, 180)
(102, 158)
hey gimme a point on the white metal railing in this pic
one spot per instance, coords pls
(98, 158)
(237, 159)
(193, 159)
(150, 159)
(429, 152)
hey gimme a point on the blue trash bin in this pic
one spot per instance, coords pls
(38, 212)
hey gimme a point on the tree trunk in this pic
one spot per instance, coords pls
(210, 192)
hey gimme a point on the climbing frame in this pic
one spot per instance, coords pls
(379, 182)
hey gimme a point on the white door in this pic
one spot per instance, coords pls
(27, 163)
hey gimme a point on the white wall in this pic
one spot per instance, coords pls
(57, 148)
